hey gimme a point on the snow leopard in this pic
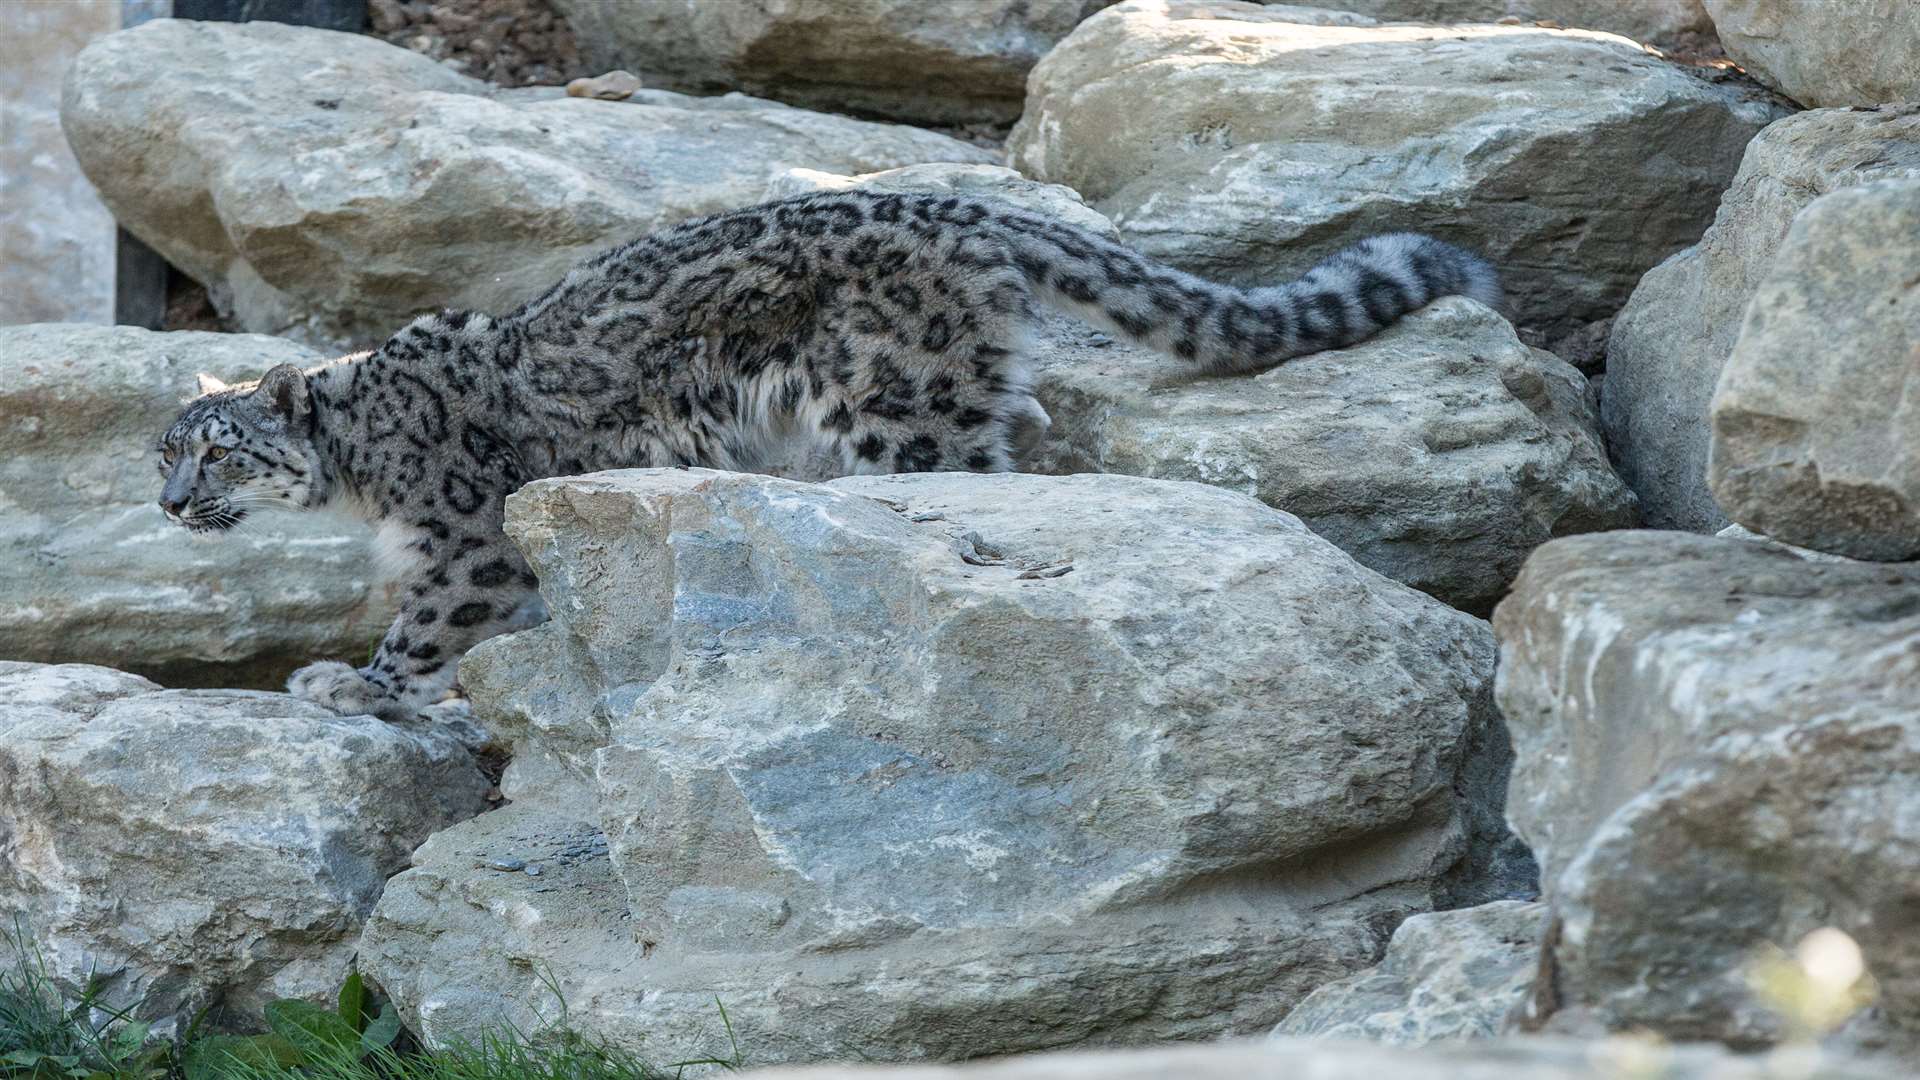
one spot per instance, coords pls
(826, 335)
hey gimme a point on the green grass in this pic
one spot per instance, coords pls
(47, 1036)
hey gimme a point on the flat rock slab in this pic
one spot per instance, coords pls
(1574, 160)
(1672, 340)
(946, 765)
(1718, 748)
(191, 848)
(1819, 446)
(334, 206)
(91, 570)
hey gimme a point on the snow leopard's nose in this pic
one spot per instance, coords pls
(172, 506)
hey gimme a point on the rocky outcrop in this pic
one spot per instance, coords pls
(1659, 21)
(1438, 454)
(1299, 1059)
(945, 765)
(188, 848)
(1269, 145)
(1671, 342)
(900, 59)
(1826, 454)
(92, 570)
(1717, 748)
(1860, 52)
(333, 207)
(1447, 975)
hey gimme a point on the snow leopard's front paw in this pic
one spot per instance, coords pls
(346, 690)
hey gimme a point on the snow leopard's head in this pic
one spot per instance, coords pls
(238, 448)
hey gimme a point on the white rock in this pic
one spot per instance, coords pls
(873, 778)
(1574, 160)
(194, 847)
(92, 570)
(1672, 340)
(1831, 53)
(334, 206)
(1718, 749)
(1820, 447)
(942, 62)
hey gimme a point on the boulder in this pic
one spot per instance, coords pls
(92, 569)
(1860, 52)
(1574, 160)
(945, 765)
(1673, 338)
(1660, 21)
(1823, 450)
(1718, 749)
(1438, 454)
(187, 848)
(333, 207)
(1447, 975)
(940, 63)
(1314, 1059)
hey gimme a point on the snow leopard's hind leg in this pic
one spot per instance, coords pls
(960, 402)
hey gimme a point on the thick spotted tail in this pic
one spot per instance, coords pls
(1347, 297)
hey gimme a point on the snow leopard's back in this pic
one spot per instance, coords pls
(862, 332)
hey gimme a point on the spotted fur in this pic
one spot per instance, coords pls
(821, 336)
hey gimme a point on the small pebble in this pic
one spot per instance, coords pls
(506, 865)
(534, 870)
(613, 86)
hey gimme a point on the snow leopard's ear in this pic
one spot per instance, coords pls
(282, 394)
(210, 384)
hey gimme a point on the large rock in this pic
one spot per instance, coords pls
(945, 765)
(1574, 160)
(1670, 343)
(186, 848)
(92, 571)
(1826, 52)
(1826, 454)
(1438, 454)
(903, 59)
(1718, 749)
(378, 184)
(1312, 1059)
(1447, 975)
(1643, 20)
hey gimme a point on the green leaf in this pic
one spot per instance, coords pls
(353, 1001)
(218, 1056)
(312, 1030)
(127, 1039)
(381, 1033)
(28, 1058)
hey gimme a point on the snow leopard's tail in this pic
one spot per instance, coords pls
(1347, 297)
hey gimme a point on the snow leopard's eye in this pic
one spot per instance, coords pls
(166, 455)
(216, 453)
